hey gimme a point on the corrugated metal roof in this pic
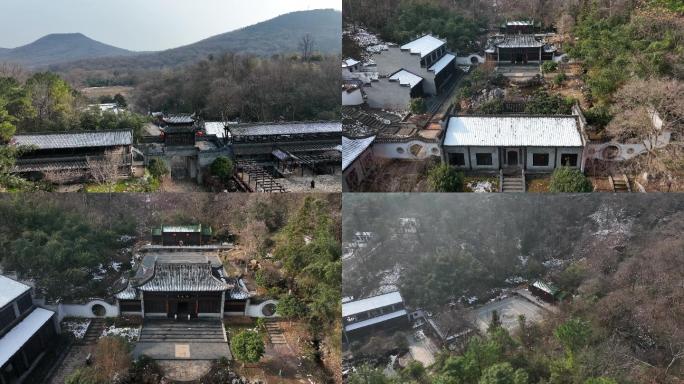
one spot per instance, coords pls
(405, 77)
(13, 340)
(442, 63)
(498, 131)
(519, 23)
(424, 45)
(60, 140)
(285, 128)
(352, 148)
(546, 287)
(183, 277)
(363, 305)
(518, 41)
(375, 320)
(182, 228)
(10, 289)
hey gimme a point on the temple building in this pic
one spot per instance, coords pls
(26, 331)
(379, 313)
(73, 153)
(518, 44)
(180, 235)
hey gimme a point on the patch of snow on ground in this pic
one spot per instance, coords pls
(553, 263)
(389, 280)
(481, 186)
(116, 265)
(368, 41)
(611, 222)
(523, 259)
(77, 328)
(515, 280)
(129, 333)
(125, 238)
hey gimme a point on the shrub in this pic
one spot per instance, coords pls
(157, 168)
(222, 168)
(248, 347)
(418, 106)
(560, 78)
(549, 66)
(444, 178)
(566, 179)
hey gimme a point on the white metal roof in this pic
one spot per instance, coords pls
(519, 23)
(10, 289)
(363, 305)
(353, 148)
(375, 320)
(405, 77)
(424, 45)
(22, 332)
(497, 131)
(217, 128)
(442, 63)
(349, 62)
(294, 128)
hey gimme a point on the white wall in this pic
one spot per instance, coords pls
(256, 310)
(82, 310)
(355, 97)
(403, 150)
(394, 59)
(495, 157)
(385, 94)
(541, 150)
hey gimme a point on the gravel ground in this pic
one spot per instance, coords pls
(324, 183)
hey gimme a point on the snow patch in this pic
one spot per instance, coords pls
(481, 186)
(129, 333)
(77, 328)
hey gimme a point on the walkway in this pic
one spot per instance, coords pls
(182, 340)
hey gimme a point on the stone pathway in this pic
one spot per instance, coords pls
(184, 370)
(74, 360)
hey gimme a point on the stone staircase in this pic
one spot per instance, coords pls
(182, 331)
(620, 184)
(275, 334)
(513, 183)
(93, 332)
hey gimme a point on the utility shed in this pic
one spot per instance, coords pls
(544, 290)
(533, 143)
(384, 312)
(181, 235)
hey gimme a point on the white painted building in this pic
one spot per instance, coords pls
(535, 143)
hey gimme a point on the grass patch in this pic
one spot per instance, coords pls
(538, 184)
(142, 184)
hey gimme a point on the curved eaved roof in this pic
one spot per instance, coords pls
(183, 277)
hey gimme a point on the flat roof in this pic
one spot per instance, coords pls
(375, 320)
(22, 332)
(405, 77)
(363, 305)
(353, 148)
(442, 63)
(10, 289)
(423, 45)
(498, 131)
(267, 129)
(62, 140)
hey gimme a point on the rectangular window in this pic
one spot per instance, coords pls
(457, 159)
(540, 159)
(569, 159)
(24, 303)
(483, 158)
(6, 316)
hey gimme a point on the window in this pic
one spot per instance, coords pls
(457, 159)
(24, 303)
(569, 159)
(6, 316)
(483, 158)
(540, 159)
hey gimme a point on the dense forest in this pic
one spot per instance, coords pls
(618, 260)
(246, 88)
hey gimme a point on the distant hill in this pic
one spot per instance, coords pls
(59, 48)
(280, 35)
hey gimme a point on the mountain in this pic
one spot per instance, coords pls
(59, 48)
(280, 35)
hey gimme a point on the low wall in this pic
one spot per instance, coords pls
(402, 150)
(257, 310)
(83, 310)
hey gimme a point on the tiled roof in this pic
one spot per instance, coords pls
(178, 119)
(182, 228)
(10, 289)
(363, 305)
(375, 320)
(352, 148)
(405, 77)
(496, 131)
(41, 165)
(424, 45)
(61, 140)
(519, 23)
(285, 128)
(442, 63)
(183, 277)
(518, 41)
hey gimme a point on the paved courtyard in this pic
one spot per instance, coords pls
(508, 309)
(177, 370)
(422, 348)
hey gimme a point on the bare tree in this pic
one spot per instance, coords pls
(63, 176)
(105, 170)
(306, 45)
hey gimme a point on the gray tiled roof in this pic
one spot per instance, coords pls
(285, 128)
(518, 41)
(63, 140)
(352, 148)
(178, 119)
(183, 277)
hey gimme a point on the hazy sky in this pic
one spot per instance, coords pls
(139, 25)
